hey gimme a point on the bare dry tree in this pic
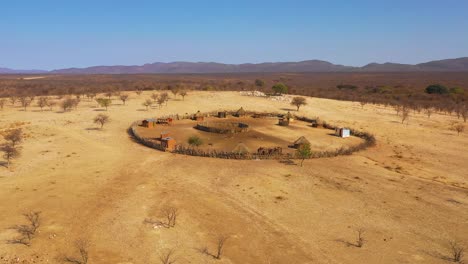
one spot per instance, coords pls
(405, 114)
(147, 103)
(362, 103)
(360, 238)
(170, 215)
(138, 91)
(220, 243)
(51, 104)
(456, 251)
(82, 246)
(464, 112)
(167, 257)
(397, 109)
(28, 231)
(161, 101)
(9, 152)
(2, 103)
(42, 102)
(13, 100)
(155, 97)
(124, 98)
(428, 112)
(15, 136)
(101, 119)
(25, 101)
(459, 127)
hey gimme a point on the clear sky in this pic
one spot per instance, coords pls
(50, 34)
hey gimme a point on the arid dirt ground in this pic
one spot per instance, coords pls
(409, 193)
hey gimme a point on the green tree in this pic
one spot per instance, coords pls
(298, 102)
(195, 141)
(104, 102)
(259, 83)
(304, 152)
(437, 89)
(280, 88)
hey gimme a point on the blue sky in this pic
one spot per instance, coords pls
(59, 34)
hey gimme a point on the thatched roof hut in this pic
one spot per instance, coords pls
(300, 142)
(198, 114)
(240, 112)
(241, 148)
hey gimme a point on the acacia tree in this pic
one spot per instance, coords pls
(2, 103)
(67, 104)
(304, 152)
(51, 104)
(104, 102)
(298, 102)
(13, 100)
(124, 98)
(42, 102)
(175, 90)
(9, 152)
(101, 119)
(259, 83)
(14, 136)
(161, 101)
(147, 103)
(183, 93)
(405, 114)
(280, 88)
(164, 96)
(154, 96)
(459, 127)
(25, 102)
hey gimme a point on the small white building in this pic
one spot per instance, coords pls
(342, 132)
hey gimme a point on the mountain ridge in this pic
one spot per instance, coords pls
(179, 67)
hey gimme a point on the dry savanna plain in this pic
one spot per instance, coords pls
(408, 194)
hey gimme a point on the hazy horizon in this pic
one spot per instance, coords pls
(51, 35)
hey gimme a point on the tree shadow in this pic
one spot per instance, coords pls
(347, 243)
(92, 128)
(100, 110)
(288, 162)
(288, 109)
(437, 255)
(4, 164)
(142, 110)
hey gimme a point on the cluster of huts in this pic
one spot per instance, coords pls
(169, 144)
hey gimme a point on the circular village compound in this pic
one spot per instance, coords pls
(247, 135)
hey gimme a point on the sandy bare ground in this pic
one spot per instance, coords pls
(409, 193)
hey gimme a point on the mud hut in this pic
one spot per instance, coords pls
(241, 112)
(241, 148)
(283, 121)
(222, 114)
(149, 123)
(300, 142)
(198, 116)
(342, 132)
(168, 143)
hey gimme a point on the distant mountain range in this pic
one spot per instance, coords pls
(460, 64)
